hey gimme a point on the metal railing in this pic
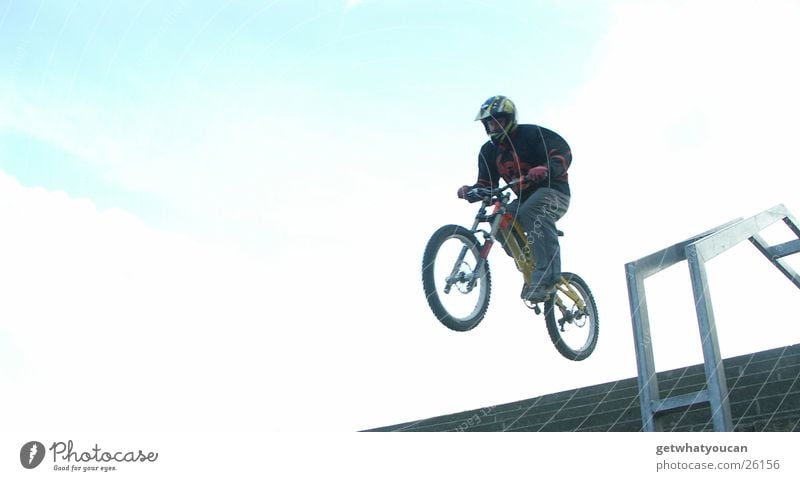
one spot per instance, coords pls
(697, 251)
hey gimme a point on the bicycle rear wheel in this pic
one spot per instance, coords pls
(573, 328)
(457, 290)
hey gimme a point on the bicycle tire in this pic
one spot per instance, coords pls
(430, 277)
(555, 325)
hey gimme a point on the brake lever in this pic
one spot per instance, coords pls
(473, 195)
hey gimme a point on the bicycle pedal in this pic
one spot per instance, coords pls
(533, 306)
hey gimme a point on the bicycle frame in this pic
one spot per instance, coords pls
(569, 311)
(504, 227)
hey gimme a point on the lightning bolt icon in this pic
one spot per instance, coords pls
(32, 454)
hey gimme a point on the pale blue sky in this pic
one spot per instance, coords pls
(261, 178)
(151, 78)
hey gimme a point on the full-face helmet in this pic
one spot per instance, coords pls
(499, 117)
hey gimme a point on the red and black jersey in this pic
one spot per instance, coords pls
(529, 146)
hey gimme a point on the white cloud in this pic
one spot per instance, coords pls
(687, 116)
(112, 315)
(686, 121)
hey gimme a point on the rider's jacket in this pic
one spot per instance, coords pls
(529, 146)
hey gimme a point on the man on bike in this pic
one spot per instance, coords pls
(540, 157)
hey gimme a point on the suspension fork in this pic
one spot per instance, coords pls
(566, 289)
(488, 242)
(484, 253)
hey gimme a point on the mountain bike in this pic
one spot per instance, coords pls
(457, 280)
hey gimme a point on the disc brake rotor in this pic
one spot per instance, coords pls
(463, 277)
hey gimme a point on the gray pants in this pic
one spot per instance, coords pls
(538, 216)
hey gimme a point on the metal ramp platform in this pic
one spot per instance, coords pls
(697, 251)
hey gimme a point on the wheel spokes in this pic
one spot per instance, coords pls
(455, 268)
(574, 322)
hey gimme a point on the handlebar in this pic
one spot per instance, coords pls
(477, 194)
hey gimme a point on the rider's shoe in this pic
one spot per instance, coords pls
(536, 294)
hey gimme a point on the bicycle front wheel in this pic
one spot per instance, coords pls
(457, 286)
(572, 320)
